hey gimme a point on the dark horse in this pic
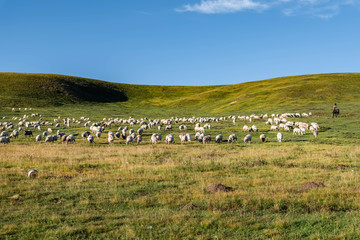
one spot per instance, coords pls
(335, 112)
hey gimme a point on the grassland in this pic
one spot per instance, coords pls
(137, 191)
(44, 90)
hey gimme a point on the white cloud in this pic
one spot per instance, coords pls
(324, 9)
(223, 6)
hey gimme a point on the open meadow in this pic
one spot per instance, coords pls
(302, 187)
(102, 190)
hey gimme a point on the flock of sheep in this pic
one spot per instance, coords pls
(125, 128)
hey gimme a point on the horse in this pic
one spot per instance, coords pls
(335, 112)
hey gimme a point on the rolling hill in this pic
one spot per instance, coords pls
(41, 90)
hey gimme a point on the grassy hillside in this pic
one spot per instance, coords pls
(34, 90)
(25, 89)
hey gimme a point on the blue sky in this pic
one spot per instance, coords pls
(180, 42)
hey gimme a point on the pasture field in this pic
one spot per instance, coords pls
(138, 191)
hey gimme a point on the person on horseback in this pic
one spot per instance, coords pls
(335, 107)
(335, 111)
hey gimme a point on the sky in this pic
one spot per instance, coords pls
(180, 42)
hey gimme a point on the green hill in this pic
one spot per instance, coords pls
(39, 90)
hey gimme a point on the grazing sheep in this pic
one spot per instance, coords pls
(232, 138)
(182, 128)
(129, 139)
(279, 137)
(38, 138)
(302, 130)
(254, 128)
(246, 128)
(28, 133)
(316, 133)
(33, 173)
(123, 134)
(45, 133)
(154, 139)
(188, 136)
(140, 131)
(4, 134)
(168, 127)
(97, 134)
(49, 138)
(84, 135)
(262, 137)
(206, 139)
(60, 134)
(218, 138)
(169, 139)
(14, 134)
(117, 135)
(247, 139)
(183, 138)
(4, 140)
(159, 128)
(110, 139)
(90, 139)
(63, 138)
(138, 139)
(70, 139)
(296, 131)
(274, 128)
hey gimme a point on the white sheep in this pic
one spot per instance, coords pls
(70, 139)
(206, 139)
(262, 137)
(232, 138)
(4, 134)
(84, 135)
(14, 134)
(218, 138)
(33, 173)
(4, 140)
(129, 139)
(90, 139)
(49, 138)
(247, 139)
(169, 139)
(138, 139)
(279, 137)
(154, 138)
(316, 133)
(38, 138)
(98, 135)
(274, 128)
(182, 128)
(246, 128)
(140, 131)
(111, 139)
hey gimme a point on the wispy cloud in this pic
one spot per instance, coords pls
(223, 6)
(315, 8)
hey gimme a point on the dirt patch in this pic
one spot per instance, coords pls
(357, 189)
(218, 188)
(67, 177)
(312, 185)
(57, 201)
(342, 166)
(189, 206)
